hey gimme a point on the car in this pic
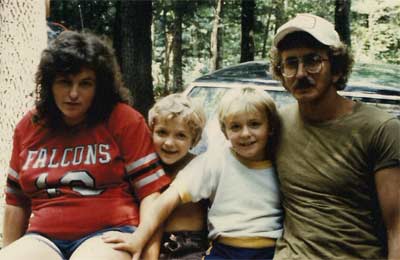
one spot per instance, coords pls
(210, 88)
(54, 29)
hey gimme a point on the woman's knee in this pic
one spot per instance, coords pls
(31, 248)
(95, 248)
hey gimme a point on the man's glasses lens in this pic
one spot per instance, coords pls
(312, 64)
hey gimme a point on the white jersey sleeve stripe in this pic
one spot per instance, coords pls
(13, 173)
(153, 177)
(144, 160)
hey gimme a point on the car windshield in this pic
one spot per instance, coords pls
(376, 85)
(209, 97)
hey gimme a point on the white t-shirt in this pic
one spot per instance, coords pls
(244, 195)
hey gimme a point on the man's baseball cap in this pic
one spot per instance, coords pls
(321, 29)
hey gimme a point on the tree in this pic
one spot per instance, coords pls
(22, 38)
(166, 44)
(247, 39)
(136, 48)
(96, 15)
(342, 20)
(376, 31)
(179, 9)
(279, 8)
(216, 37)
(117, 33)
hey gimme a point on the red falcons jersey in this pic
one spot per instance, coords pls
(77, 183)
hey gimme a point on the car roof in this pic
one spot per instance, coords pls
(250, 70)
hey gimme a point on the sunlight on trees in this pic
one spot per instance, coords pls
(376, 33)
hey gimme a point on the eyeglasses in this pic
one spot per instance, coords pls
(312, 64)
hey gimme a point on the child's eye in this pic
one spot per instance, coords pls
(254, 124)
(181, 136)
(234, 127)
(161, 132)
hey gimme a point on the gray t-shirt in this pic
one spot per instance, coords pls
(245, 199)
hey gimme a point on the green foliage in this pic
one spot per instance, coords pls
(375, 29)
(96, 15)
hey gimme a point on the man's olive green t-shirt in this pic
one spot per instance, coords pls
(326, 172)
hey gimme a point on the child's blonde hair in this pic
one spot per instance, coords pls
(178, 105)
(250, 100)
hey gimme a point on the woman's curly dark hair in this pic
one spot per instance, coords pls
(341, 58)
(68, 54)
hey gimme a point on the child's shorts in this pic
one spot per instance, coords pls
(183, 245)
(221, 251)
(65, 248)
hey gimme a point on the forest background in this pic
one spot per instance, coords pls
(163, 45)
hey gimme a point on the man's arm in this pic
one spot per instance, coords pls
(15, 223)
(388, 188)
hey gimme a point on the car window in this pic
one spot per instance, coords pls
(208, 97)
(281, 97)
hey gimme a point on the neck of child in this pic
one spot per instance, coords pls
(173, 169)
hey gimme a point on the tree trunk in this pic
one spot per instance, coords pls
(265, 36)
(247, 39)
(136, 52)
(216, 37)
(177, 47)
(117, 44)
(165, 66)
(342, 20)
(22, 38)
(279, 8)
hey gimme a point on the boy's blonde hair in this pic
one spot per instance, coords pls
(250, 100)
(178, 105)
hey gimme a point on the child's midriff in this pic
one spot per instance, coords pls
(187, 217)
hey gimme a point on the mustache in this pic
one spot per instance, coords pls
(304, 82)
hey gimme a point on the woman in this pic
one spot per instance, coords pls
(82, 160)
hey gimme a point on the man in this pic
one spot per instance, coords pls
(339, 160)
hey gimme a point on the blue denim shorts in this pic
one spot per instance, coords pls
(219, 251)
(65, 248)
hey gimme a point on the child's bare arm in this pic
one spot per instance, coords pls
(152, 248)
(156, 214)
